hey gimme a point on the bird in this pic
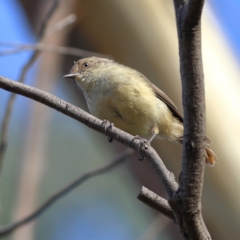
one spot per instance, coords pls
(130, 101)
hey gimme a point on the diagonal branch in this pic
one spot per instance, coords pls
(166, 177)
(63, 192)
(156, 202)
(61, 25)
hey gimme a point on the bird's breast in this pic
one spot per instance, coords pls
(131, 106)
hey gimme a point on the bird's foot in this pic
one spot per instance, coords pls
(137, 137)
(154, 134)
(143, 144)
(107, 124)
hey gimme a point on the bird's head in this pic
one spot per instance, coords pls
(87, 71)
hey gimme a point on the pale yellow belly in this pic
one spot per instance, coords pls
(135, 109)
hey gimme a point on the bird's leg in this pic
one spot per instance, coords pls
(151, 138)
(146, 143)
(107, 124)
(154, 132)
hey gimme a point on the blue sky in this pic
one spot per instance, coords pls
(228, 14)
(14, 28)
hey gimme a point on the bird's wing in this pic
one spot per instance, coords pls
(163, 97)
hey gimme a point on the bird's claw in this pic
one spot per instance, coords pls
(137, 137)
(144, 145)
(107, 124)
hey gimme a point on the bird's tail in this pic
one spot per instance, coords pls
(211, 157)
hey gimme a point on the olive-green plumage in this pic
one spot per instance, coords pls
(127, 98)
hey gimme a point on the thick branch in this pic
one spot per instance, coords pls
(188, 13)
(186, 203)
(63, 192)
(192, 14)
(68, 109)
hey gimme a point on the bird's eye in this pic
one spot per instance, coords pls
(86, 64)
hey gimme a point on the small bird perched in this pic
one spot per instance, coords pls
(127, 98)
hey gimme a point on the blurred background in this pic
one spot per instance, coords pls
(47, 150)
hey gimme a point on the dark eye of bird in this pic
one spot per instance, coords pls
(86, 64)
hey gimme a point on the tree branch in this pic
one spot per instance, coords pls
(166, 177)
(61, 25)
(63, 192)
(49, 14)
(186, 202)
(11, 100)
(8, 112)
(52, 48)
(156, 202)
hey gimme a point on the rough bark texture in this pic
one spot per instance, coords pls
(166, 177)
(186, 202)
(156, 202)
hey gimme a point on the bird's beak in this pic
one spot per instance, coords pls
(70, 75)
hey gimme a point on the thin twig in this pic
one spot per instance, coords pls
(11, 100)
(61, 25)
(49, 14)
(156, 202)
(52, 48)
(64, 191)
(9, 108)
(10, 44)
(74, 112)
